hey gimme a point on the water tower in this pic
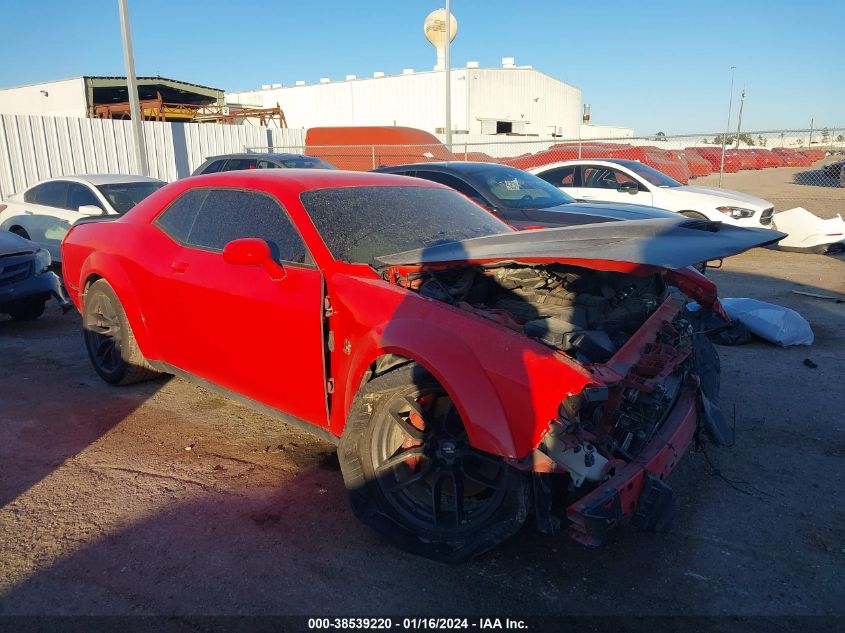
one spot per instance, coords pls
(434, 29)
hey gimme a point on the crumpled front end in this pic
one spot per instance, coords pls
(654, 380)
(620, 439)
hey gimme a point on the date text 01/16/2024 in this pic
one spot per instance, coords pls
(415, 624)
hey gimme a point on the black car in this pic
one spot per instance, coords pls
(522, 199)
(834, 170)
(254, 160)
(26, 283)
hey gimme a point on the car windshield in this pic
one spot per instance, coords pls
(359, 224)
(657, 178)
(124, 195)
(306, 162)
(517, 189)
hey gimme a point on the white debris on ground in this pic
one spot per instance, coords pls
(771, 322)
(807, 231)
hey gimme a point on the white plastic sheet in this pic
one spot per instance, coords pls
(774, 323)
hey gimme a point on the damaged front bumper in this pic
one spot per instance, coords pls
(45, 284)
(637, 493)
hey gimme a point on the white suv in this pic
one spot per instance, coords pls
(618, 180)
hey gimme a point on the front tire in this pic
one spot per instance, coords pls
(109, 340)
(413, 477)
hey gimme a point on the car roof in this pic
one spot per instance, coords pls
(271, 155)
(454, 165)
(102, 179)
(307, 179)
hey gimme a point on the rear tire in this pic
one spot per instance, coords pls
(413, 477)
(109, 340)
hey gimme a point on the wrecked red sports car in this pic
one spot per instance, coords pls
(470, 374)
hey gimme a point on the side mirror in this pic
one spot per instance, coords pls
(90, 210)
(252, 251)
(631, 187)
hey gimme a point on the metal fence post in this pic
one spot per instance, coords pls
(373, 148)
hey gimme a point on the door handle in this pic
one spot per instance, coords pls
(179, 267)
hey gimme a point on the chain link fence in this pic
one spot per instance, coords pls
(790, 168)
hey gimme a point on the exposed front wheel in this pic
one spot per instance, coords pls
(413, 476)
(109, 340)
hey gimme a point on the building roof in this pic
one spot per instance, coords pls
(145, 78)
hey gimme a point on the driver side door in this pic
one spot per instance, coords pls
(235, 325)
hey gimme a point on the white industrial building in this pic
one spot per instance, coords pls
(517, 100)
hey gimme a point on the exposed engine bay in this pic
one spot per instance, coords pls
(586, 313)
(589, 315)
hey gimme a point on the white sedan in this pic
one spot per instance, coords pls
(618, 180)
(44, 212)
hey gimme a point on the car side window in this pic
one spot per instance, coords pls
(231, 214)
(605, 178)
(49, 194)
(79, 195)
(213, 168)
(560, 177)
(178, 219)
(235, 164)
(266, 164)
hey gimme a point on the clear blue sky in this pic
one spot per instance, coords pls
(655, 65)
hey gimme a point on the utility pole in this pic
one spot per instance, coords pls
(132, 87)
(739, 124)
(810, 140)
(727, 128)
(447, 63)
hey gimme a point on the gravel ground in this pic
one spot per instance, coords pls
(164, 498)
(788, 187)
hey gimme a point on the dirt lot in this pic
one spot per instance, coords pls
(164, 498)
(788, 187)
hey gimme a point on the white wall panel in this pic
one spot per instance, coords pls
(33, 148)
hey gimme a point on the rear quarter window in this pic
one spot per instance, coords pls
(178, 218)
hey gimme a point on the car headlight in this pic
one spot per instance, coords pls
(42, 260)
(737, 213)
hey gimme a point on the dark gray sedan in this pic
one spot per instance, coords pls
(254, 160)
(522, 199)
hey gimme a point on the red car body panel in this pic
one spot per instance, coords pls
(714, 155)
(698, 165)
(793, 158)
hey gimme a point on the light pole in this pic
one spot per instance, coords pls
(448, 73)
(739, 120)
(727, 128)
(132, 88)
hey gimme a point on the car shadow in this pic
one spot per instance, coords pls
(46, 423)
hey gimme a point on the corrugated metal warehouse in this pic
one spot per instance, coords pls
(507, 100)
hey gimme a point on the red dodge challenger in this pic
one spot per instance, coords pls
(469, 374)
